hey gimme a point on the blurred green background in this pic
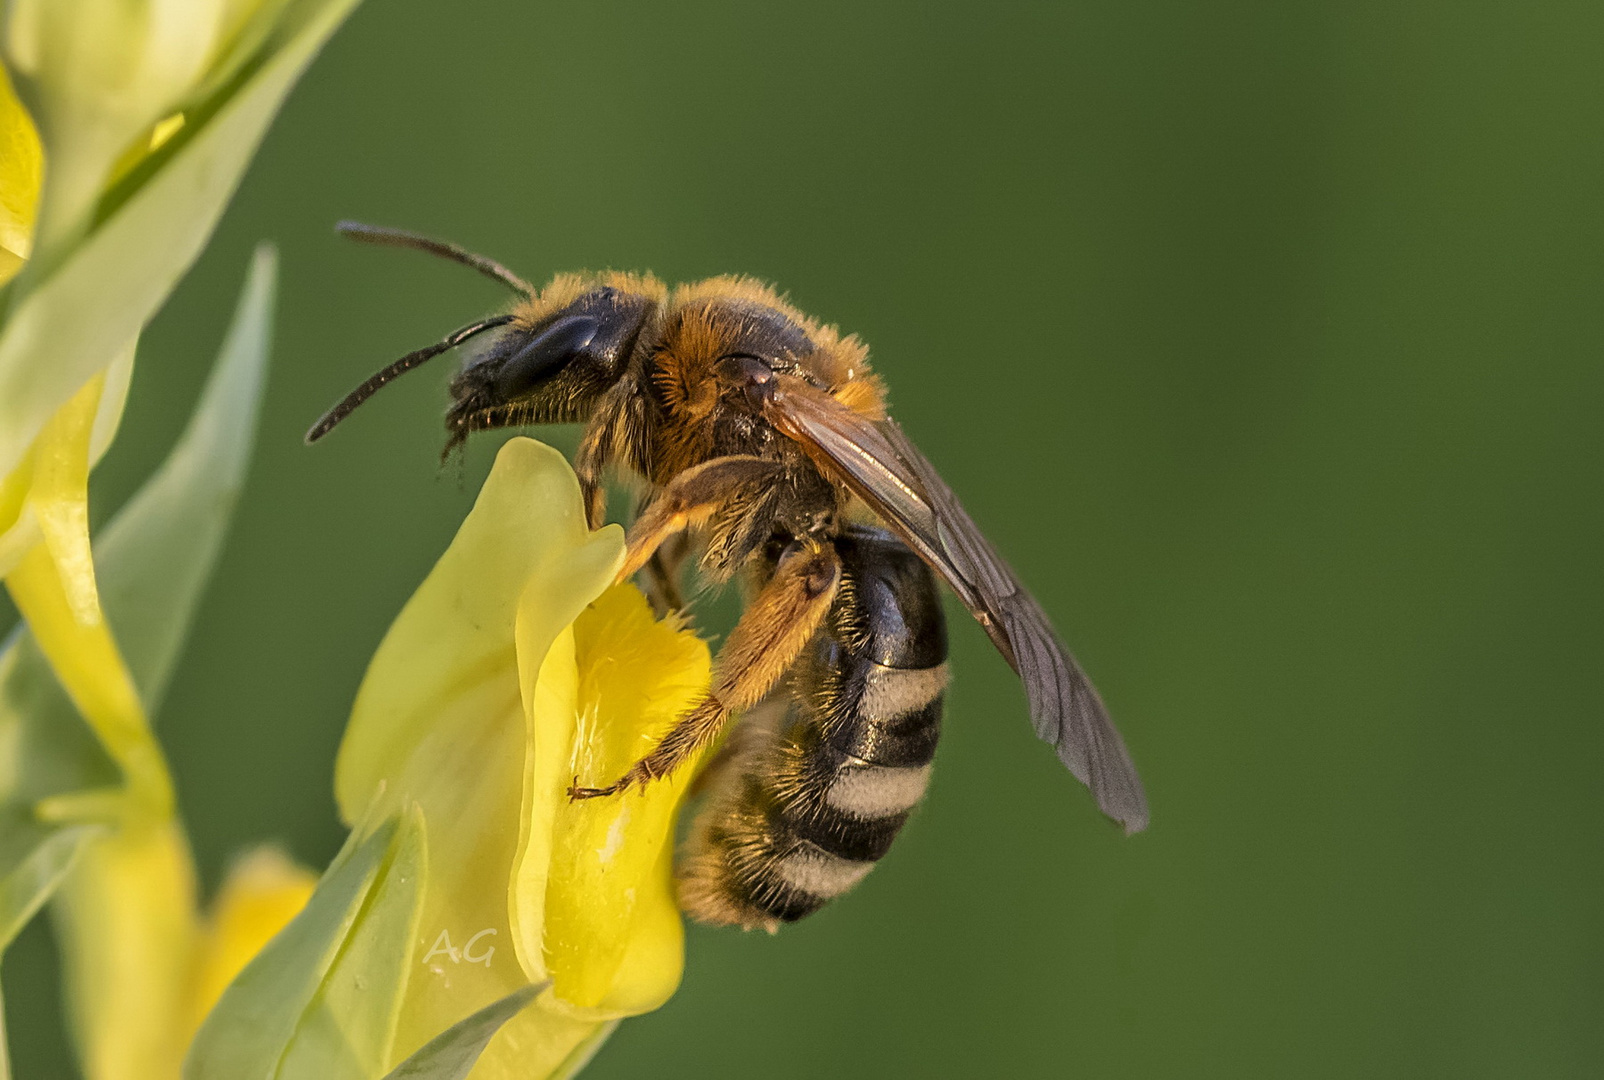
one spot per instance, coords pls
(1263, 337)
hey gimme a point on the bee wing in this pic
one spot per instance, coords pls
(880, 465)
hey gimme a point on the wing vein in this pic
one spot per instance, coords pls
(879, 464)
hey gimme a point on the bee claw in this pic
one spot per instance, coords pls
(636, 777)
(576, 793)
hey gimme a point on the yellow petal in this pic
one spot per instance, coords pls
(454, 638)
(54, 588)
(60, 491)
(262, 893)
(125, 919)
(19, 180)
(58, 497)
(612, 937)
(17, 534)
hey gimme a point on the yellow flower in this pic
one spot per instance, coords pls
(263, 891)
(19, 180)
(140, 966)
(102, 75)
(514, 668)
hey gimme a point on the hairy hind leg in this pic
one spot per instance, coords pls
(771, 633)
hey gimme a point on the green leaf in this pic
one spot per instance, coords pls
(451, 1055)
(32, 878)
(154, 558)
(64, 322)
(152, 561)
(347, 1032)
(5, 1041)
(246, 1034)
(321, 1000)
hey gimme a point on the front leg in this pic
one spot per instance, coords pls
(590, 462)
(662, 573)
(614, 438)
(772, 632)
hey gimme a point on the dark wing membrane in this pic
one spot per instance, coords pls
(881, 466)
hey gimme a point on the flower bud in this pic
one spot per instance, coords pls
(98, 75)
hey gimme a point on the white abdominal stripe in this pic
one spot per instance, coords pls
(890, 693)
(877, 791)
(867, 764)
(809, 869)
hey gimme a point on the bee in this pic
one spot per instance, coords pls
(763, 433)
(816, 783)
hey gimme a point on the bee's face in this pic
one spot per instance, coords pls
(549, 361)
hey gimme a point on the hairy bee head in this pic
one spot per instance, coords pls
(560, 352)
(708, 353)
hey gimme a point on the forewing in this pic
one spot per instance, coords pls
(878, 462)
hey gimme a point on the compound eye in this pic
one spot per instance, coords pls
(551, 351)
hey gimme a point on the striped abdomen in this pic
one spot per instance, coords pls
(821, 777)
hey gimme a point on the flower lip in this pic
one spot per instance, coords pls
(515, 667)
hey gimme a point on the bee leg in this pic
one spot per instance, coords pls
(615, 433)
(589, 462)
(689, 499)
(755, 729)
(662, 575)
(772, 632)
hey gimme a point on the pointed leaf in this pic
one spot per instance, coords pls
(452, 1054)
(347, 1031)
(29, 880)
(155, 557)
(247, 1034)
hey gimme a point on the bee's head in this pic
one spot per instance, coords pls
(556, 356)
(547, 361)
